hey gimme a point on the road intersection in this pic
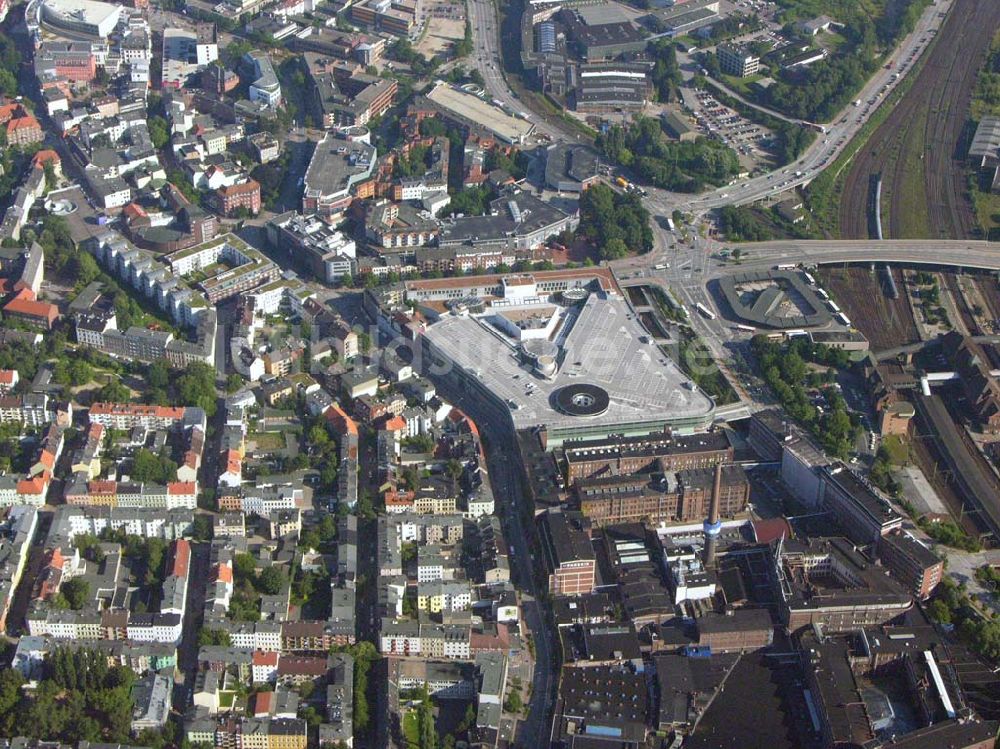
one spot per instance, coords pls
(686, 266)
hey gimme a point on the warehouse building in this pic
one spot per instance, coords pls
(601, 32)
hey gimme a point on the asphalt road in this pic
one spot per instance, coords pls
(505, 476)
(488, 59)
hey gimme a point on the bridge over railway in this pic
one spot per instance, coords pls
(943, 253)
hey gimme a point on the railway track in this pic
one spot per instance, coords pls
(885, 322)
(919, 149)
(961, 304)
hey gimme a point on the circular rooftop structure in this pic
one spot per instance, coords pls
(582, 400)
(357, 133)
(546, 365)
(577, 294)
(535, 348)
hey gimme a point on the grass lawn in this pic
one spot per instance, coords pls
(411, 731)
(267, 440)
(897, 451)
(226, 700)
(741, 85)
(831, 41)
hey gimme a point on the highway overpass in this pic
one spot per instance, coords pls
(958, 253)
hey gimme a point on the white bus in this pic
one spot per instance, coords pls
(844, 320)
(705, 311)
(834, 306)
(745, 328)
(788, 266)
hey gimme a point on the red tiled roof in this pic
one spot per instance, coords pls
(135, 210)
(260, 703)
(222, 573)
(23, 123)
(244, 188)
(36, 485)
(302, 665)
(137, 409)
(341, 421)
(181, 558)
(45, 156)
(25, 304)
(395, 424)
(766, 531)
(234, 463)
(262, 658)
(392, 498)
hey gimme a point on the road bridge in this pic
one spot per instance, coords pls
(958, 253)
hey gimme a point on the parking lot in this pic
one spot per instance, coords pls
(445, 25)
(718, 121)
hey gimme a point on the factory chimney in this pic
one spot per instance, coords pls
(712, 525)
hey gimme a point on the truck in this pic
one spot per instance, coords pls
(857, 102)
(660, 266)
(621, 182)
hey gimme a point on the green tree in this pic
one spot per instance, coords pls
(271, 580)
(364, 342)
(147, 466)
(76, 591)
(114, 391)
(202, 530)
(213, 637)
(244, 567)
(513, 703)
(159, 131)
(196, 387)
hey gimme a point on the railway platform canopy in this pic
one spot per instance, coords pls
(783, 300)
